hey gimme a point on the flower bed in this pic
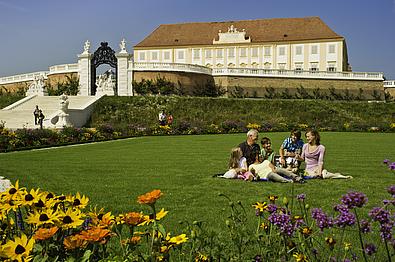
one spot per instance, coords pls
(41, 225)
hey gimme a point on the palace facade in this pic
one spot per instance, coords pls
(301, 44)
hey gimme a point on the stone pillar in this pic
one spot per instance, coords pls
(122, 74)
(84, 71)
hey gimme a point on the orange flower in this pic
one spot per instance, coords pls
(134, 240)
(73, 242)
(150, 198)
(95, 234)
(45, 233)
(133, 218)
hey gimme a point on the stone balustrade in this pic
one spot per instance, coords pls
(61, 69)
(178, 67)
(141, 66)
(22, 77)
(389, 84)
(296, 74)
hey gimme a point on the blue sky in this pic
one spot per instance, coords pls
(36, 34)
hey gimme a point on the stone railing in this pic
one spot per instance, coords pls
(61, 69)
(296, 74)
(22, 77)
(140, 66)
(389, 83)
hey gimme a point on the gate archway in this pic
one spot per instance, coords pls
(103, 55)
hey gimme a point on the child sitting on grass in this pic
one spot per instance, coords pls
(238, 166)
(266, 170)
(267, 151)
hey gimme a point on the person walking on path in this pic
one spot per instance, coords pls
(36, 114)
(41, 119)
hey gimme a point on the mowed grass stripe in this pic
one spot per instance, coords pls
(113, 174)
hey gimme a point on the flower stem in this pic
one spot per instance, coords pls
(360, 236)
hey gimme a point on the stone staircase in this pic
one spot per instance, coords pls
(20, 113)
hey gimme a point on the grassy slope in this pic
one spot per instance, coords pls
(114, 173)
(144, 110)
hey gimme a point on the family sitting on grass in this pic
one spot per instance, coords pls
(249, 162)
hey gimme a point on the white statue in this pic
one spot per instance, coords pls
(122, 45)
(87, 45)
(64, 103)
(63, 116)
(37, 87)
(105, 84)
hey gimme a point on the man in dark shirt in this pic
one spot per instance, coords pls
(249, 146)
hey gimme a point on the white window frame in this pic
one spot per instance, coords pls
(154, 55)
(255, 52)
(142, 56)
(166, 55)
(180, 54)
(299, 50)
(314, 48)
(267, 51)
(231, 52)
(331, 67)
(196, 53)
(208, 53)
(243, 52)
(281, 51)
(219, 53)
(331, 49)
(314, 67)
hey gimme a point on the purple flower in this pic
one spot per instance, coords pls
(283, 222)
(258, 258)
(392, 166)
(391, 190)
(386, 161)
(322, 220)
(341, 208)
(370, 249)
(301, 197)
(379, 214)
(346, 260)
(271, 208)
(365, 226)
(354, 199)
(344, 219)
(385, 231)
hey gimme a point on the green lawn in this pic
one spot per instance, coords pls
(112, 174)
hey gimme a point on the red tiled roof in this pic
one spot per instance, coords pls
(261, 30)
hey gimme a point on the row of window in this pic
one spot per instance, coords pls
(331, 66)
(231, 52)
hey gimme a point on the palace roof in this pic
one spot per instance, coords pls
(259, 31)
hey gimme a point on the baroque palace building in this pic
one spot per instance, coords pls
(282, 43)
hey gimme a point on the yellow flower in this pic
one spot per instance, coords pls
(330, 241)
(19, 248)
(45, 233)
(262, 206)
(28, 199)
(165, 249)
(272, 198)
(178, 239)
(347, 246)
(264, 226)
(149, 219)
(70, 219)
(306, 231)
(299, 257)
(201, 258)
(253, 126)
(150, 197)
(392, 125)
(42, 218)
(78, 201)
